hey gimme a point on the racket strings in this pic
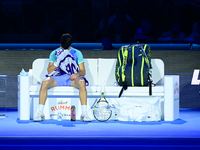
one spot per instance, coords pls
(102, 111)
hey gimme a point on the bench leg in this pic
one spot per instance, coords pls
(23, 98)
(171, 95)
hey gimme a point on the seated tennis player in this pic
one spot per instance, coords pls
(66, 68)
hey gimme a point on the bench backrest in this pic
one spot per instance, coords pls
(106, 71)
(97, 70)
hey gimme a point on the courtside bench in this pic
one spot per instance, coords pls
(167, 87)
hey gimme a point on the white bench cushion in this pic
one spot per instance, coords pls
(110, 90)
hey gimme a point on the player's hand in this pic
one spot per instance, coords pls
(73, 77)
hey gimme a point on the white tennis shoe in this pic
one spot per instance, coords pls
(85, 117)
(39, 117)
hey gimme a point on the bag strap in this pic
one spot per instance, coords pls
(149, 73)
(124, 63)
(124, 87)
(149, 67)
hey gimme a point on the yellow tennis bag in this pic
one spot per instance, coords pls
(132, 67)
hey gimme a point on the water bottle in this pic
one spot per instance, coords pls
(23, 73)
(115, 84)
(73, 113)
(59, 115)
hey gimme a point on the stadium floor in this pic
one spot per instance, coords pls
(183, 133)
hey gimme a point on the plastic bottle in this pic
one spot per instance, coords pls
(59, 115)
(73, 113)
(115, 84)
(23, 73)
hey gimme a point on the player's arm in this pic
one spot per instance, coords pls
(52, 62)
(51, 67)
(82, 72)
(81, 64)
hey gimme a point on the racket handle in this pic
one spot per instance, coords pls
(102, 85)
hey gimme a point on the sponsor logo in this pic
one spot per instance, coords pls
(138, 106)
(176, 91)
(195, 80)
(61, 107)
(59, 52)
(125, 61)
(52, 115)
(62, 102)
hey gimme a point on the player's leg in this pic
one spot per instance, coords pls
(80, 84)
(46, 84)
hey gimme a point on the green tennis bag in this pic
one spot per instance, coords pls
(132, 68)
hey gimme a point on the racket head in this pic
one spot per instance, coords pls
(102, 110)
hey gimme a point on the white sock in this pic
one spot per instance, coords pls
(41, 108)
(84, 108)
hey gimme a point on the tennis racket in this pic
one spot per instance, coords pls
(102, 110)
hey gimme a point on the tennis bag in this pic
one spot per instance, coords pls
(132, 67)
